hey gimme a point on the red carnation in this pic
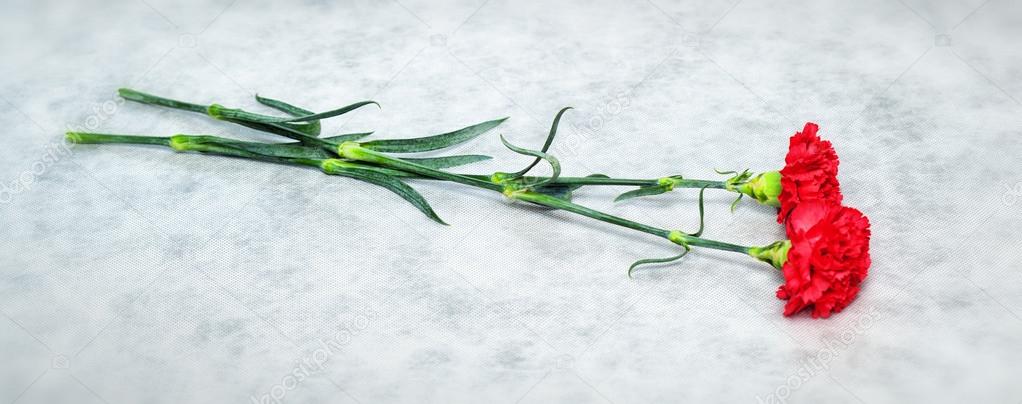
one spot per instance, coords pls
(809, 173)
(828, 259)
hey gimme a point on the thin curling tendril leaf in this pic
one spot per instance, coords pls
(702, 214)
(657, 260)
(643, 191)
(394, 185)
(546, 144)
(735, 203)
(554, 164)
(435, 142)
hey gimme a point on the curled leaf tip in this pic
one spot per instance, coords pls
(735, 203)
(702, 214)
(646, 261)
(555, 165)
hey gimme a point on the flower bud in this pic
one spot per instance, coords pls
(775, 254)
(765, 188)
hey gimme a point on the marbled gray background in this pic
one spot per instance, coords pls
(140, 275)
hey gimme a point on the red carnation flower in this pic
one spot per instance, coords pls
(828, 259)
(809, 173)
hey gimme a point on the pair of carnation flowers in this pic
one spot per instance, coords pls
(826, 257)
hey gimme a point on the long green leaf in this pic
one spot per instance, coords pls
(312, 127)
(448, 161)
(283, 106)
(350, 137)
(560, 191)
(261, 122)
(577, 186)
(285, 150)
(643, 191)
(395, 185)
(324, 115)
(435, 142)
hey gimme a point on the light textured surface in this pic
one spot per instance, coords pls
(140, 275)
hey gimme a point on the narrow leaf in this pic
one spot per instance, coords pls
(577, 186)
(323, 115)
(643, 191)
(312, 128)
(260, 122)
(561, 191)
(285, 150)
(283, 106)
(393, 184)
(546, 144)
(702, 214)
(448, 161)
(735, 203)
(350, 137)
(281, 130)
(656, 261)
(435, 142)
(554, 164)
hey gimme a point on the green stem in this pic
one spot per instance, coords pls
(558, 203)
(353, 151)
(716, 245)
(198, 143)
(144, 98)
(102, 138)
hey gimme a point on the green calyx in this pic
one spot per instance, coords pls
(335, 166)
(764, 188)
(352, 150)
(501, 178)
(678, 237)
(668, 183)
(181, 143)
(775, 254)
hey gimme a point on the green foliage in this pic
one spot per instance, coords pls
(435, 142)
